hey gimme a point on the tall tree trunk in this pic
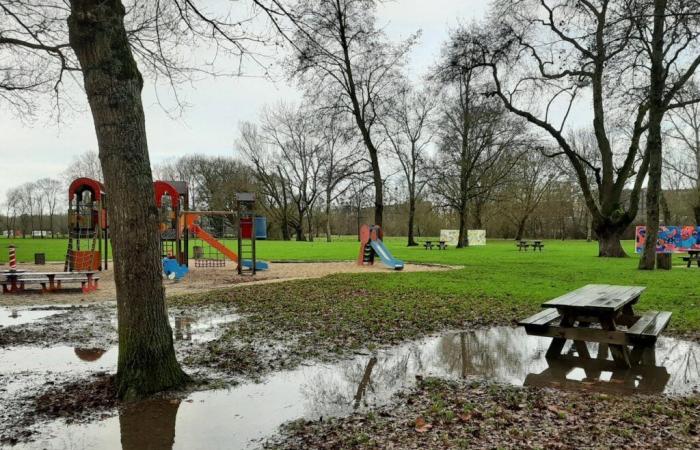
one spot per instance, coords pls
(378, 190)
(299, 230)
(609, 237)
(113, 85)
(309, 220)
(329, 233)
(521, 228)
(654, 140)
(462, 239)
(665, 209)
(411, 218)
(589, 227)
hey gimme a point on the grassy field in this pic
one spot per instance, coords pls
(496, 272)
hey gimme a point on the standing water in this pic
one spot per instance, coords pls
(246, 415)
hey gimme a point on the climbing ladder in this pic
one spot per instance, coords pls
(246, 233)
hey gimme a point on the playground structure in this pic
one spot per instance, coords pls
(210, 250)
(371, 245)
(172, 198)
(88, 227)
(178, 227)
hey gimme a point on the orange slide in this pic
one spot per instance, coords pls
(208, 238)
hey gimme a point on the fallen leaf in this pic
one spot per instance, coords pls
(422, 426)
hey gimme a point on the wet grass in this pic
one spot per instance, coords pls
(464, 414)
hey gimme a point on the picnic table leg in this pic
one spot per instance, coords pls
(581, 347)
(619, 352)
(52, 282)
(557, 345)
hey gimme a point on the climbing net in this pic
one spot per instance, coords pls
(205, 255)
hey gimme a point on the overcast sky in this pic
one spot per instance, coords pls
(209, 125)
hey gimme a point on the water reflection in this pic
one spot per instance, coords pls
(16, 316)
(242, 416)
(89, 354)
(149, 424)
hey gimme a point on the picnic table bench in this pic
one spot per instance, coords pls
(598, 313)
(693, 256)
(16, 282)
(428, 245)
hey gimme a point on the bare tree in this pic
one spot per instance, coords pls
(51, 190)
(339, 161)
(292, 132)
(345, 64)
(667, 36)
(408, 133)
(271, 183)
(685, 132)
(100, 42)
(478, 142)
(86, 165)
(545, 54)
(532, 179)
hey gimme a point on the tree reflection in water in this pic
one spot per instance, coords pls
(149, 424)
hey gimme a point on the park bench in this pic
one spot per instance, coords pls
(49, 281)
(609, 310)
(522, 245)
(428, 245)
(442, 245)
(537, 245)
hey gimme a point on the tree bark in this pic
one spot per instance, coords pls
(654, 139)
(411, 219)
(521, 228)
(462, 240)
(113, 84)
(609, 237)
(329, 233)
(664, 261)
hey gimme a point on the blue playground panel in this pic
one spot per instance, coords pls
(170, 266)
(259, 265)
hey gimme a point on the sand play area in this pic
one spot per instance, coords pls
(200, 279)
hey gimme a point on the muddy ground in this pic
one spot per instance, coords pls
(199, 280)
(70, 324)
(59, 365)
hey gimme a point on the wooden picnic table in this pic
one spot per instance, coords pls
(11, 279)
(17, 280)
(598, 313)
(442, 245)
(693, 256)
(428, 245)
(522, 245)
(537, 245)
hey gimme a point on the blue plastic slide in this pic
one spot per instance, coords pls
(381, 250)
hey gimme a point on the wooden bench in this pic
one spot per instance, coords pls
(648, 327)
(541, 320)
(428, 245)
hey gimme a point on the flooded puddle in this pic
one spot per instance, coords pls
(244, 416)
(20, 315)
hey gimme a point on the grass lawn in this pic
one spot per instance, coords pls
(496, 273)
